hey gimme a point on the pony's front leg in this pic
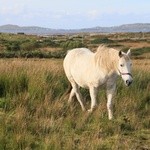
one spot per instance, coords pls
(110, 93)
(93, 95)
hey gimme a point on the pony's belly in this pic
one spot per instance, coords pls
(86, 83)
(81, 82)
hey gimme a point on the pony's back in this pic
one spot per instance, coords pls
(77, 63)
(77, 55)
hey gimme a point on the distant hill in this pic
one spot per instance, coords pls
(138, 27)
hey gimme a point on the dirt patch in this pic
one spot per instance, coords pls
(134, 45)
(51, 49)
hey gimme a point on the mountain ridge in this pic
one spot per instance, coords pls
(136, 27)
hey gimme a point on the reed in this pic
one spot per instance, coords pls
(34, 113)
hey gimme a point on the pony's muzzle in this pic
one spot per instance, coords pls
(128, 82)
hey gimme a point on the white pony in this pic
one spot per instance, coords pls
(90, 70)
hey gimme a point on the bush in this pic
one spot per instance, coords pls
(49, 42)
(71, 44)
(104, 40)
(32, 54)
(13, 46)
(140, 51)
(30, 46)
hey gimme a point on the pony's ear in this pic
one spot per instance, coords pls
(129, 52)
(120, 54)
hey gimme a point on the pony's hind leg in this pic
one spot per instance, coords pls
(75, 91)
(72, 94)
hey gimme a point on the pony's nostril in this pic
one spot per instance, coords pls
(128, 82)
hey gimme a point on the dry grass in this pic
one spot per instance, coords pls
(142, 65)
(32, 66)
(51, 49)
(34, 115)
(134, 45)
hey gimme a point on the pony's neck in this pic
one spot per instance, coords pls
(107, 59)
(114, 60)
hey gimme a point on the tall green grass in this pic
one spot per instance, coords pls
(34, 113)
(140, 51)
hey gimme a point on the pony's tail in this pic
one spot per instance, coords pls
(67, 91)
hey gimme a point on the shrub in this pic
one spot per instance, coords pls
(13, 46)
(140, 51)
(104, 40)
(71, 44)
(30, 45)
(49, 42)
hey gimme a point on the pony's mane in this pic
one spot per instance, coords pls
(106, 58)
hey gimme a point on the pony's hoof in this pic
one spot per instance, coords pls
(90, 110)
(83, 109)
(110, 118)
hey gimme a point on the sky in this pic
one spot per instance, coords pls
(74, 14)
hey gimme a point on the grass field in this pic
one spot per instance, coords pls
(34, 113)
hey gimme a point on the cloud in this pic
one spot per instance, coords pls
(67, 15)
(12, 10)
(93, 14)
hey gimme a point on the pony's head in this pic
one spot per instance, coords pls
(124, 67)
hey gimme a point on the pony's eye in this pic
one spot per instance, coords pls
(121, 65)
